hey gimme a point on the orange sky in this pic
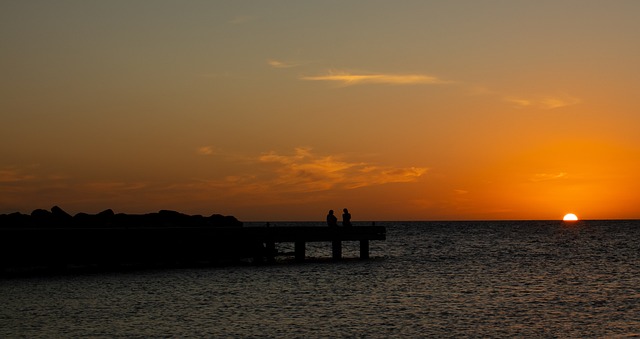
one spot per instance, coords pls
(281, 110)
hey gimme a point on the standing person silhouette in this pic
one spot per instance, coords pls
(332, 221)
(346, 218)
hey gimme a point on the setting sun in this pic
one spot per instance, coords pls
(570, 217)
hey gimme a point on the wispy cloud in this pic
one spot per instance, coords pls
(349, 79)
(557, 102)
(535, 101)
(12, 175)
(518, 102)
(206, 150)
(307, 171)
(548, 176)
(283, 177)
(547, 102)
(282, 64)
(264, 179)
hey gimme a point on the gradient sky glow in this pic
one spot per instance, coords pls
(282, 110)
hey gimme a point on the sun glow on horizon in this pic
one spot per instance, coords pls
(570, 217)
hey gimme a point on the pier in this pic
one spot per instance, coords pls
(63, 247)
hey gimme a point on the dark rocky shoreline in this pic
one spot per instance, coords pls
(54, 241)
(58, 218)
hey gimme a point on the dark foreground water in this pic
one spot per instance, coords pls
(429, 279)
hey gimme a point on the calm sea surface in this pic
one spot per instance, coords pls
(429, 279)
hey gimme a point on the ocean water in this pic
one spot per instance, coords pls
(428, 279)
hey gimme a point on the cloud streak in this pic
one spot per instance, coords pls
(13, 176)
(542, 101)
(206, 150)
(546, 103)
(555, 102)
(270, 178)
(350, 79)
(282, 64)
(308, 172)
(538, 177)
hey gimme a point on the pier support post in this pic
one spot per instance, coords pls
(299, 250)
(258, 253)
(364, 249)
(336, 249)
(271, 251)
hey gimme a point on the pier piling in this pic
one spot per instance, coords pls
(336, 249)
(364, 249)
(300, 250)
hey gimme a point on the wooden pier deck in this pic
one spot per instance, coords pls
(60, 246)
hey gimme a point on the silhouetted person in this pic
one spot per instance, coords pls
(332, 221)
(346, 218)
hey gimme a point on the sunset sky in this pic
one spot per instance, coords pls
(282, 110)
